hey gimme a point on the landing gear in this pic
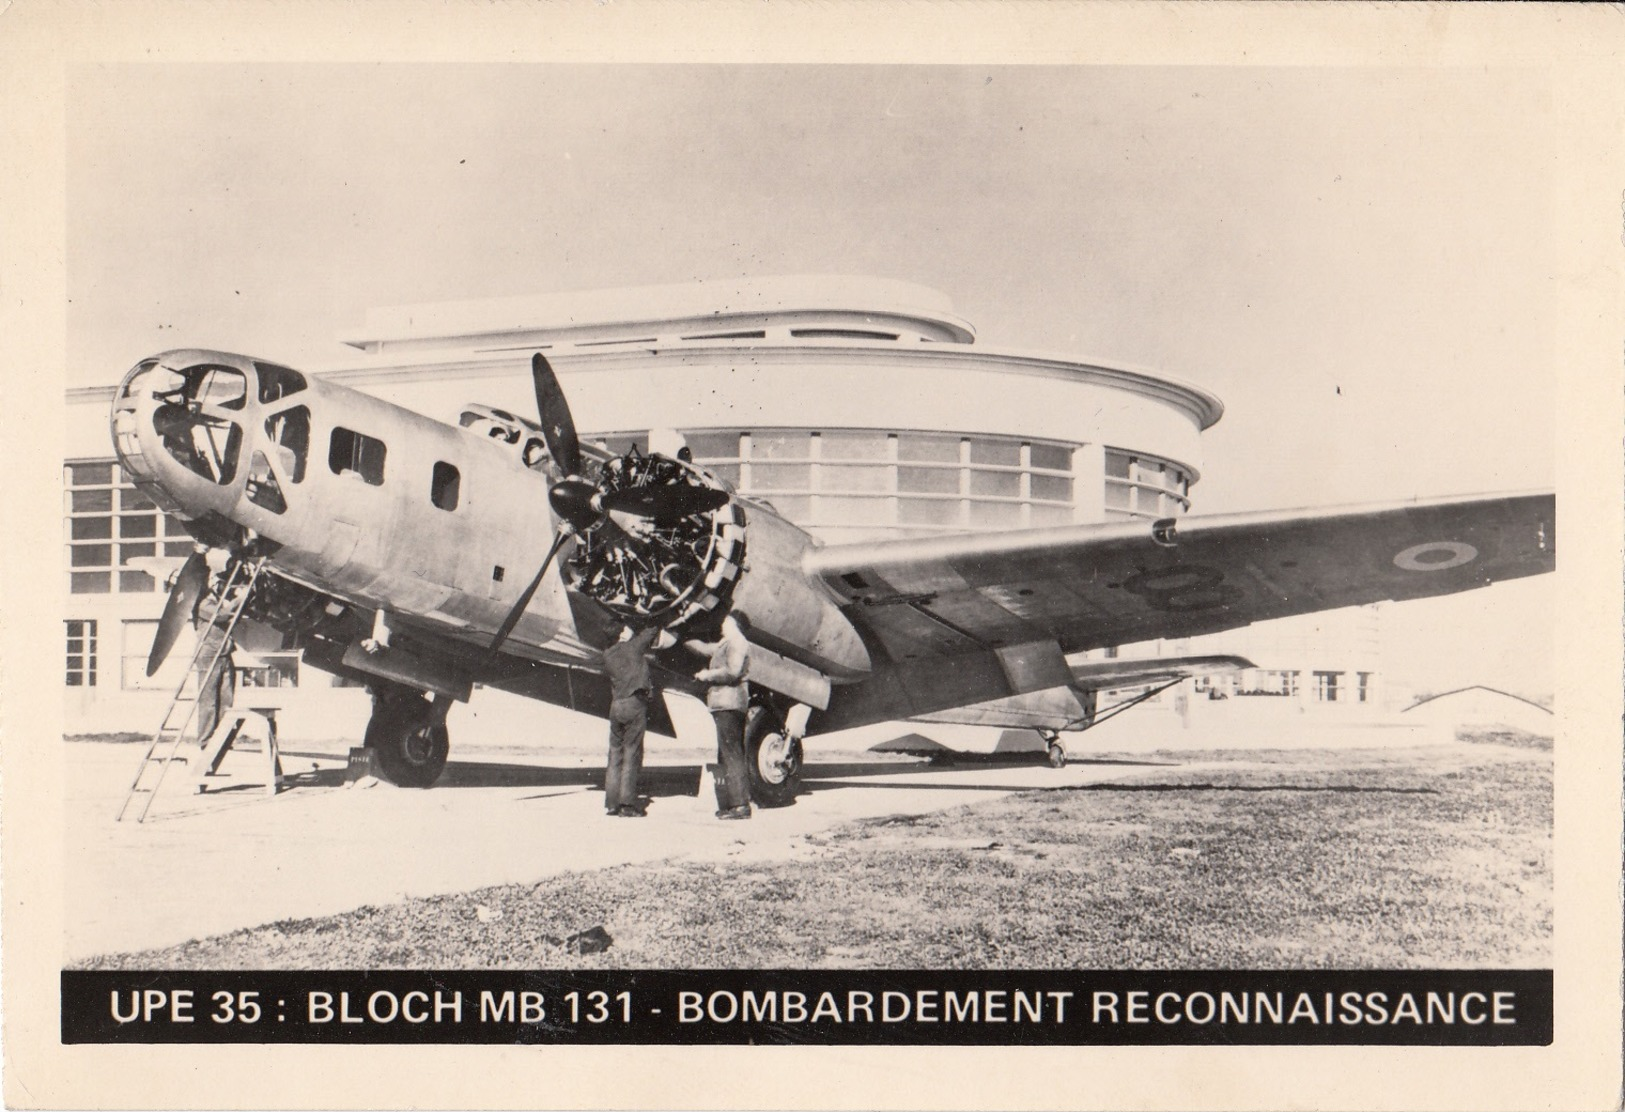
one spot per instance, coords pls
(408, 733)
(1057, 750)
(773, 756)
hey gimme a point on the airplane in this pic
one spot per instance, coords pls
(413, 556)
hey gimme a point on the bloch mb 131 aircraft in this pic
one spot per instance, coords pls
(422, 558)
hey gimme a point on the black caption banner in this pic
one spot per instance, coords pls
(828, 1007)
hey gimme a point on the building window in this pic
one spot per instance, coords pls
(254, 670)
(136, 646)
(1326, 686)
(259, 670)
(1141, 486)
(445, 485)
(81, 670)
(354, 453)
(1364, 689)
(902, 482)
(109, 524)
(840, 334)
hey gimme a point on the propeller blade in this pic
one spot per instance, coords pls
(530, 592)
(183, 596)
(666, 503)
(553, 410)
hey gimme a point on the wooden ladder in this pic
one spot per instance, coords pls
(149, 776)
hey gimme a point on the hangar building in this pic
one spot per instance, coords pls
(861, 408)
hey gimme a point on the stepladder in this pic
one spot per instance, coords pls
(202, 703)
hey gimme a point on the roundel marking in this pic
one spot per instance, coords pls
(1435, 556)
(1183, 588)
(1177, 579)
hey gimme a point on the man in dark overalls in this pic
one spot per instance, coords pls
(626, 663)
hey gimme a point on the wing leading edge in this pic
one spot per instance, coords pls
(1088, 586)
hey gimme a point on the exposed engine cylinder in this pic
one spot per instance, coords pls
(663, 569)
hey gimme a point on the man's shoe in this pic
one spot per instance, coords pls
(628, 811)
(735, 813)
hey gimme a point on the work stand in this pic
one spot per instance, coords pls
(253, 723)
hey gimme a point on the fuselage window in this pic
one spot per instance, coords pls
(354, 453)
(289, 432)
(445, 486)
(277, 382)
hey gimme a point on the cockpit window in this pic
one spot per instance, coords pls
(278, 382)
(354, 453)
(205, 444)
(289, 433)
(535, 454)
(206, 384)
(262, 487)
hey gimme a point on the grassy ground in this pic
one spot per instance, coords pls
(1437, 857)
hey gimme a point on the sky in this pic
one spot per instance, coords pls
(1356, 261)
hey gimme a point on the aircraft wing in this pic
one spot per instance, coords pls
(1024, 594)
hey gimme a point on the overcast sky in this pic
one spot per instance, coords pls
(1356, 261)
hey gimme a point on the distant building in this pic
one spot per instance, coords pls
(860, 408)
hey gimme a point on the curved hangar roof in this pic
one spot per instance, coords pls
(806, 312)
(875, 304)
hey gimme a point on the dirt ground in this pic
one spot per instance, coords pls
(232, 857)
(524, 830)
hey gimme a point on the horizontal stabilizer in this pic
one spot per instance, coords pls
(1105, 675)
(1062, 708)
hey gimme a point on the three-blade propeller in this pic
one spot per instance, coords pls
(189, 584)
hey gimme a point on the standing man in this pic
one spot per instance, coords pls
(626, 663)
(216, 660)
(729, 699)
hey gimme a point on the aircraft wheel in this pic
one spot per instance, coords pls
(411, 746)
(1057, 754)
(774, 759)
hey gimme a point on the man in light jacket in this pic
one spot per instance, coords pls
(729, 699)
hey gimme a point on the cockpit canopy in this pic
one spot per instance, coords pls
(523, 435)
(202, 407)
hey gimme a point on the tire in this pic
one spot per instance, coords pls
(411, 748)
(773, 761)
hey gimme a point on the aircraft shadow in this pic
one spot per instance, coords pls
(684, 780)
(655, 779)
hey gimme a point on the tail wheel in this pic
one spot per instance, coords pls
(411, 745)
(774, 758)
